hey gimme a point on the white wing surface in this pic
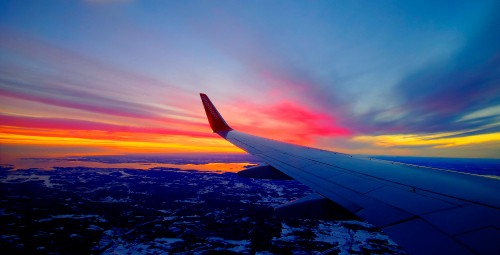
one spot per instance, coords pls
(426, 211)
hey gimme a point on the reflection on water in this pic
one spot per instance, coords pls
(49, 164)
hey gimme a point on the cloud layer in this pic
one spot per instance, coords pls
(411, 77)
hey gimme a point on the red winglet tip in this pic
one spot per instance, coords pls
(217, 123)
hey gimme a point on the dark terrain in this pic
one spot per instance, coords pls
(78, 210)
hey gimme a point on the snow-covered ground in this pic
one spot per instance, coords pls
(164, 211)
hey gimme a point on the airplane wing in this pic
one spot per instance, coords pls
(426, 211)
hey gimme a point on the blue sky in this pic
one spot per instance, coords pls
(376, 77)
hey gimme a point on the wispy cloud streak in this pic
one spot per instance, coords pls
(437, 97)
(58, 124)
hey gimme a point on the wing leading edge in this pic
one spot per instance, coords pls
(426, 211)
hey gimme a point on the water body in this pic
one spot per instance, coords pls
(52, 164)
(209, 163)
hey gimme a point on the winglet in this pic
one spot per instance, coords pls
(216, 121)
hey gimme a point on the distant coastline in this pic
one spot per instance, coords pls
(480, 166)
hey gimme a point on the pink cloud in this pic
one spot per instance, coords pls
(285, 120)
(82, 125)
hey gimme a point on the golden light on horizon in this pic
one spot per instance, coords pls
(441, 140)
(164, 144)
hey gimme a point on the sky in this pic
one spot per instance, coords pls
(100, 77)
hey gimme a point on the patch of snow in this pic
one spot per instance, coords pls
(110, 199)
(17, 178)
(109, 232)
(240, 185)
(166, 240)
(170, 218)
(94, 228)
(191, 201)
(72, 216)
(9, 238)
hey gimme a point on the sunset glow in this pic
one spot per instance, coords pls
(123, 77)
(434, 140)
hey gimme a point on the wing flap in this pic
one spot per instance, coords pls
(411, 234)
(463, 219)
(409, 201)
(484, 241)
